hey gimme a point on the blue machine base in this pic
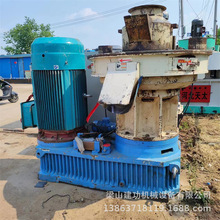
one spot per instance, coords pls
(134, 166)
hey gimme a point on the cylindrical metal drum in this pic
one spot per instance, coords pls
(59, 82)
(147, 29)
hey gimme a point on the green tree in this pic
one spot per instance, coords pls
(218, 36)
(20, 38)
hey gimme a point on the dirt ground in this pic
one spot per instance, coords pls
(19, 199)
(10, 113)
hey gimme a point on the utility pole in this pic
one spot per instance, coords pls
(181, 19)
(215, 19)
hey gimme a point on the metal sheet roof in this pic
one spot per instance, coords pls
(15, 56)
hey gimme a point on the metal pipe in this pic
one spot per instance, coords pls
(215, 19)
(182, 19)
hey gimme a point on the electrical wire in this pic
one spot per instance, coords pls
(192, 9)
(203, 10)
(210, 13)
(180, 116)
(92, 112)
(94, 17)
(85, 20)
(203, 5)
(91, 16)
(203, 1)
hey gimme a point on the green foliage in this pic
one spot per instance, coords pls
(190, 142)
(20, 38)
(198, 193)
(184, 126)
(218, 37)
(193, 175)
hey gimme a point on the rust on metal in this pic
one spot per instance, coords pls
(199, 43)
(141, 7)
(190, 52)
(174, 26)
(58, 136)
(174, 43)
(138, 28)
(105, 49)
(147, 29)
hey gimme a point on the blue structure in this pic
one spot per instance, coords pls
(104, 125)
(29, 114)
(14, 66)
(114, 163)
(59, 81)
(203, 110)
(134, 166)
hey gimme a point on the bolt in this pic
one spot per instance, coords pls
(174, 171)
(121, 184)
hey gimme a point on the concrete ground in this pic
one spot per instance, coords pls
(19, 167)
(19, 199)
(10, 113)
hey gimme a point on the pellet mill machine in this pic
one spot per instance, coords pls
(141, 85)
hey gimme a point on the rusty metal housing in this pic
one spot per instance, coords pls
(147, 29)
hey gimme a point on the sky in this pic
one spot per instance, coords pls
(95, 32)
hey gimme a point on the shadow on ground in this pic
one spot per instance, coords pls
(19, 191)
(13, 125)
(4, 103)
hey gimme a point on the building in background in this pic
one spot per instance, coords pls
(15, 66)
(205, 92)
